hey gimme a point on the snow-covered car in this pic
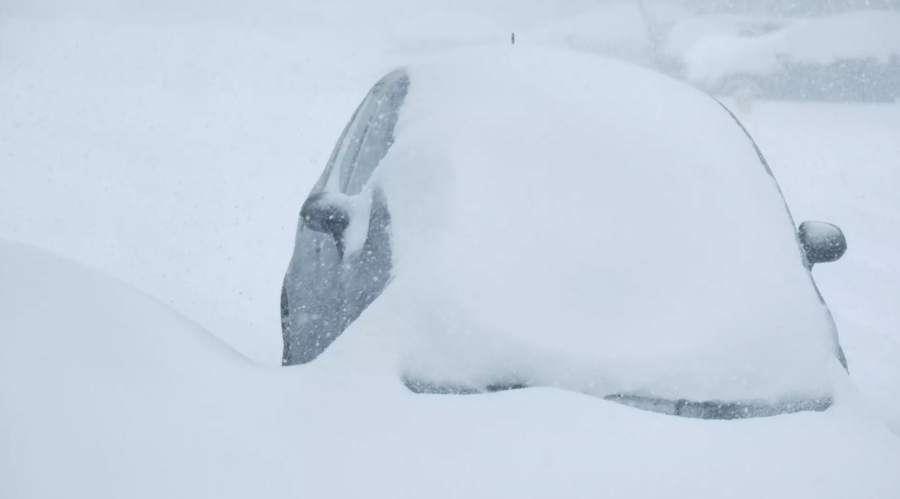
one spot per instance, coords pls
(521, 255)
(602, 229)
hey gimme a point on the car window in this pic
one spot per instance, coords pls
(347, 151)
(378, 135)
(325, 183)
(322, 292)
(367, 137)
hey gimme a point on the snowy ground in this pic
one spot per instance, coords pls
(174, 153)
(839, 163)
(99, 404)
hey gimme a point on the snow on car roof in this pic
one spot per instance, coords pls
(565, 220)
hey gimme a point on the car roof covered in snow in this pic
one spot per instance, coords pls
(566, 220)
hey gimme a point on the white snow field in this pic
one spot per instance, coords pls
(115, 395)
(170, 148)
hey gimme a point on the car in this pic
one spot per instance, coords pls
(107, 392)
(620, 230)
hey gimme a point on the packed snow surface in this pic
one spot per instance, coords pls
(115, 395)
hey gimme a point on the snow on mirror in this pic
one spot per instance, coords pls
(822, 242)
(343, 217)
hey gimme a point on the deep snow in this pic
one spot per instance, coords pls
(863, 35)
(115, 395)
(111, 119)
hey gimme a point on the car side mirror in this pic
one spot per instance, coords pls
(822, 242)
(328, 213)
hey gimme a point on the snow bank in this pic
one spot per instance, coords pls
(106, 393)
(854, 36)
(683, 34)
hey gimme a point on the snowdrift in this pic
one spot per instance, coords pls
(106, 393)
(850, 57)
